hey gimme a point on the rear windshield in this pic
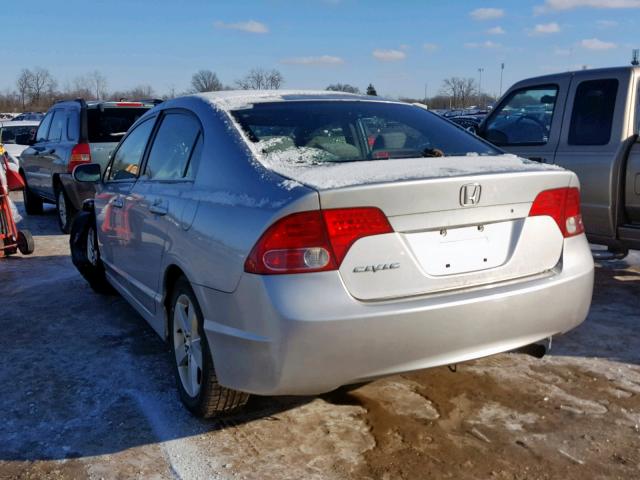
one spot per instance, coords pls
(349, 131)
(19, 134)
(110, 124)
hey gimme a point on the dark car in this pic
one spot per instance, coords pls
(72, 132)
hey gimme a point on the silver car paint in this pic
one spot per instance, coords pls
(265, 332)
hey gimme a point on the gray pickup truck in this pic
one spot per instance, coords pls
(587, 121)
(71, 133)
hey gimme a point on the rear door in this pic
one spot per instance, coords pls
(632, 176)
(159, 202)
(527, 121)
(593, 143)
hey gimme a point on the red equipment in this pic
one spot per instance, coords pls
(11, 239)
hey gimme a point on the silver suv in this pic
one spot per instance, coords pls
(292, 242)
(71, 133)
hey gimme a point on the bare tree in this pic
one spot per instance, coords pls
(24, 84)
(138, 93)
(459, 90)
(205, 81)
(343, 87)
(260, 79)
(42, 82)
(98, 84)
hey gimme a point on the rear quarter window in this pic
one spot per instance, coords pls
(592, 115)
(111, 124)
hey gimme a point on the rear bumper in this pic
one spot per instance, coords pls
(304, 334)
(77, 192)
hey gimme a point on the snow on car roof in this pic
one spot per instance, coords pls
(238, 99)
(20, 123)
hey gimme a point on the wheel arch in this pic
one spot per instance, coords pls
(171, 276)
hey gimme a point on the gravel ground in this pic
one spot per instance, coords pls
(86, 391)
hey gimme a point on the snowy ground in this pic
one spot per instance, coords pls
(86, 391)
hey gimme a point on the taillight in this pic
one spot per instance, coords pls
(313, 241)
(81, 153)
(563, 205)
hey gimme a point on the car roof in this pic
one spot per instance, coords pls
(20, 123)
(602, 71)
(238, 99)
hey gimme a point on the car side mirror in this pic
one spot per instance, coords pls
(87, 173)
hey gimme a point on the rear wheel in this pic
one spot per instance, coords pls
(66, 211)
(26, 245)
(195, 375)
(32, 202)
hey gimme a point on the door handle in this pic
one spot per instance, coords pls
(158, 208)
(117, 203)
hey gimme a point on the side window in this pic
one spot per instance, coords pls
(58, 125)
(126, 161)
(43, 129)
(592, 114)
(173, 147)
(195, 158)
(525, 117)
(73, 125)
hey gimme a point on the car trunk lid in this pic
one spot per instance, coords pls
(450, 233)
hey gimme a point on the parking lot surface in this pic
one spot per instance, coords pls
(87, 391)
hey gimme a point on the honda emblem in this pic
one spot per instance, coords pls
(470, 194)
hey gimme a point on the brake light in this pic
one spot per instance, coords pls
(128, 104)
(80, 154)
(563, 205)
(313, 241)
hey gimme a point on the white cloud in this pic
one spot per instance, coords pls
(389, 55)
(562, 52)
(487, 44)
(606, 23)
(487, 13)
(545, 29)
(319, 60)
(430, 47)
(250, 26)
(496, 31)
(596, 44)
(555, 5)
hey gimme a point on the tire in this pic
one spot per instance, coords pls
(85, 254)
(204, 396)
(32, 202)
(26, 245)
(64, 208)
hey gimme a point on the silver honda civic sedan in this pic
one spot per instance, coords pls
(291, 242)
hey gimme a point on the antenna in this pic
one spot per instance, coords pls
(635, 57)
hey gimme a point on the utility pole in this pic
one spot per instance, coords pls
(501, 72)
(635, 57)
(426, 90)
(480, 70)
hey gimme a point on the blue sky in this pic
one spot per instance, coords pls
(399, 46)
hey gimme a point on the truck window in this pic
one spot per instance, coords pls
(592, 114)
(524, 118)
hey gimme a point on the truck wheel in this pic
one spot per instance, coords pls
(26, 245)
(195, 375)
(32, 202)
(85, 254)
(66, 212)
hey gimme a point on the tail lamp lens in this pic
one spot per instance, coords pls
(313, 241)
(80, 154)
(563, 205)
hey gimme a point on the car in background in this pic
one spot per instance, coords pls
(29, 116)
(292, 242)
(72, 132)
(15, 137)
